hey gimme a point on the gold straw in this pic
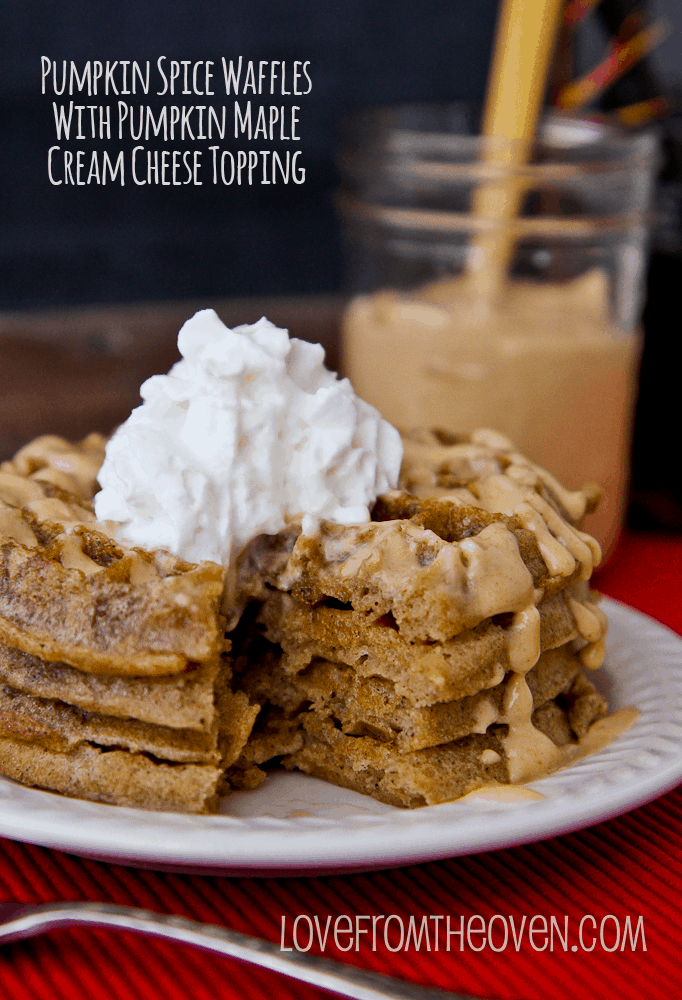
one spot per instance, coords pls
(524, 43)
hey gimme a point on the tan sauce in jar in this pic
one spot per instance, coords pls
(547, 367)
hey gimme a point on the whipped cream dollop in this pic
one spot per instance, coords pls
(248, 431)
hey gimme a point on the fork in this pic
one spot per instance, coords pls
(18, 920)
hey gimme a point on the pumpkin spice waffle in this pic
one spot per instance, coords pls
(421, 644)
(67, 591)
(426, 672)
(50, 744)
(116, 679)
(371, 706)
(184, 700)
(428, 776)
(357, 732)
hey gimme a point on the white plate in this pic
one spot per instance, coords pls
(297, 824)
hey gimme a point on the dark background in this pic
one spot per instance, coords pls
(62, 246)
(79, 245)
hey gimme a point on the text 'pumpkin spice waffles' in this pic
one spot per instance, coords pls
(413, 646)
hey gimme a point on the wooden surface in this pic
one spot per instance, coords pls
(72, 371)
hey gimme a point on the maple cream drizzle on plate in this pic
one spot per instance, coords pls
(601, 734)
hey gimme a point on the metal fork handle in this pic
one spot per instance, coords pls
(346, 980)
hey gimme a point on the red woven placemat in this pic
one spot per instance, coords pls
(645, 571)
(628, 867)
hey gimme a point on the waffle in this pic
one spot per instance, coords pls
(183, 701)
(440, 646)
(115, 777)
(114, 673)
(425, 672)
(431, 775)
(54, 745)
(410, 778)
(371, 706)
(69, 592)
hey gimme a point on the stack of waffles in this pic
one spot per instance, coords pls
(439, 648)
(114, 679)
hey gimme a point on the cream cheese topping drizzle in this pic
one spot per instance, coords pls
(592, 655)
(601, 734)
(582, 553)
(508, 483)
(588, 621)
(415, 571)
(558, 559)
(529, 752)
(523, 640)
(51, 459)
(18, 494)
(15, 491)
(71, 555)
(13, 526)
(573, 501)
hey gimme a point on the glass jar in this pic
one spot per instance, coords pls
(550, 356)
